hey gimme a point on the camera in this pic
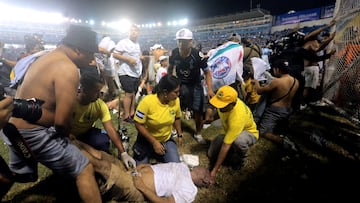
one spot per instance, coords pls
(27, 109)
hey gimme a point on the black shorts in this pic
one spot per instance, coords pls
(129, 84)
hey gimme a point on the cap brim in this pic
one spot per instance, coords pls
(217, 103)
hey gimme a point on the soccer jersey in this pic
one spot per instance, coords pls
(84, 116)
(237, 120)
(158, 118)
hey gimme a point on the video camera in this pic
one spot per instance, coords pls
(27, 109)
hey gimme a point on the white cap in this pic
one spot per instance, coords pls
(107, 43)
(162, 58)
(184, 34)
(156, 46)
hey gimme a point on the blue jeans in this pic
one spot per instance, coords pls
(143, 151)
(97, 139)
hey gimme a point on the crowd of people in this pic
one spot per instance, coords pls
(224, 83)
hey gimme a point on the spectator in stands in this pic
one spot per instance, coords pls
(155, 117)
(88, 109)
(186, 61)
(281, 92)
(54, 78)
(6, 176)
(128, 54)
(240, 131)
(163, 182)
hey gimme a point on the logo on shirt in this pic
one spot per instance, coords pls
(172, 112)
(221, 67)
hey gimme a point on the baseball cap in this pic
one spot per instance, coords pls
(184, 33)
(224, 96)
(156, 46)
(81, 37)
(235, 37)
(162, 58)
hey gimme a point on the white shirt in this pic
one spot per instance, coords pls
(127, 47)
(177, 183)
(161, 72)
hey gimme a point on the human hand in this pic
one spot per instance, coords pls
(6, 108)
(139, 183)
(132, 62)
(159, 148)
(212, 177)
(180, 140)
(128, 160)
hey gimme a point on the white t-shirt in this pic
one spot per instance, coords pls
(177, 183)
(161, 72)
(127, 47)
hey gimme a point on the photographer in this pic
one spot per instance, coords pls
(6, 176)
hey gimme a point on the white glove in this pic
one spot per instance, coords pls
(128, 160)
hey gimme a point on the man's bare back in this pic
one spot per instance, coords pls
(43, 81)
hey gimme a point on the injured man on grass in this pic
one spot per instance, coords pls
(172, 182)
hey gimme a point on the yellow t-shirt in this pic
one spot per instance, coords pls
(237, 120)
(252, 97)
(158, 118)
(84, 116)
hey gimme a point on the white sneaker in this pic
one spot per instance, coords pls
(174, 133)
(200, 139)
(206, 126)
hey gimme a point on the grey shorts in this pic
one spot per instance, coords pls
(271, 117)
(51, 150)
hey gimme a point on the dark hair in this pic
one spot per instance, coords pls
(281, 64)
(90, 77)
(166, 84)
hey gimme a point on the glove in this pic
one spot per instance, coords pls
(128, 160)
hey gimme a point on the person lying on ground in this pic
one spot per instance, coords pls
(164, 182)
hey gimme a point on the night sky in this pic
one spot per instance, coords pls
(145, 11)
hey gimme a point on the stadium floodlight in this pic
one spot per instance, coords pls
(14, 14)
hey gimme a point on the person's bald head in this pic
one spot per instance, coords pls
(200, 176)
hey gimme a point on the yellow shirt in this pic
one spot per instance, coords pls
(84, 116)
(251, 96)
(237, 120)
(158, 118)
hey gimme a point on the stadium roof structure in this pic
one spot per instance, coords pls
(254, 13)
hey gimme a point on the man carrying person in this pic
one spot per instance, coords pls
(54, 78)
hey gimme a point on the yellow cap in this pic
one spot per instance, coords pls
(224, 96)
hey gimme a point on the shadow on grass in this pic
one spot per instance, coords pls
(53, 189)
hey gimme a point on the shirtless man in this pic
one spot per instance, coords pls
(311, 73)
(54, 78)
(282, 90)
